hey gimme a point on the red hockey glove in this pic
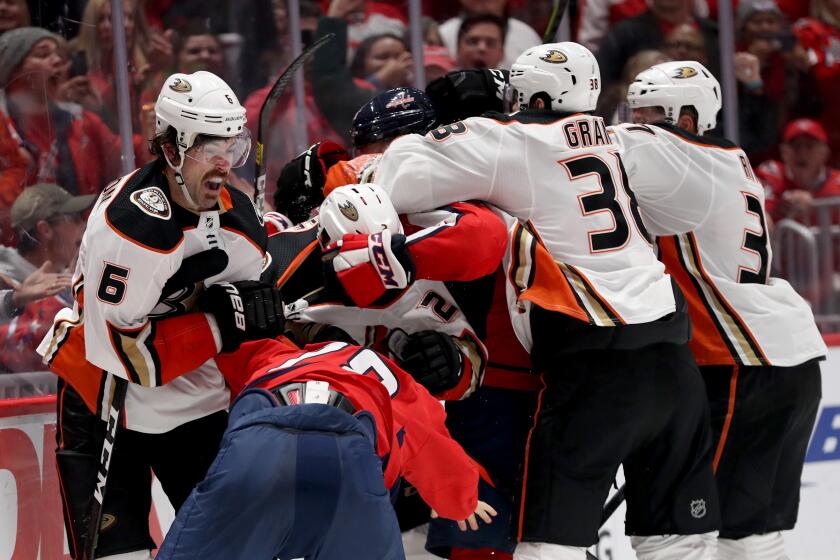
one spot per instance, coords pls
(366, 266)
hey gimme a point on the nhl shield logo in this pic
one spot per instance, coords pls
(555, 57)
(684, 72)
(180, 85)
(350, 212)
(698, 508)
(153, 202)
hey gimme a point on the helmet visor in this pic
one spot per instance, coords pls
(214, 149)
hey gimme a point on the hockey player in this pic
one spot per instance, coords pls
(301, 464)
(754, 338)
(420, 325)
(591, 303)
(153, 240)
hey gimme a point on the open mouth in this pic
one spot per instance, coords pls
(214, 185)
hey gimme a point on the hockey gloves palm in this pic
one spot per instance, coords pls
(247, 310)
(367, 266)
(432, 359)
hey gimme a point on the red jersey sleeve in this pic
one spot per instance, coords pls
(432, 461)
(469, 230)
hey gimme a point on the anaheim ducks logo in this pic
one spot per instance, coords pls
(180, 85)
(349, 211)
(152, 201)
(555, 57)
(107, 521)
(684, 72)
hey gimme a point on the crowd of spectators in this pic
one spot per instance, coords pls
(58, 102)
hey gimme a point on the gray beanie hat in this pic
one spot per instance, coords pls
(15, 45)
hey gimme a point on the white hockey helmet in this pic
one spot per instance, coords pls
(566, 72)
(364, 208)
(674, 85)
(201, 104)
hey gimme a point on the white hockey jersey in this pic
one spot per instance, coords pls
(701, 198)
(561, 177)
(137, 240)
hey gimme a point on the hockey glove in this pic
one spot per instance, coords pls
(367, 266)
(468, 93)
(246, 310)
(431, 358)
(301, 182)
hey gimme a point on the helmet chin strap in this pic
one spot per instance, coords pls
(180, 179)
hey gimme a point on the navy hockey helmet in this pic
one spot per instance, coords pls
(393, 113)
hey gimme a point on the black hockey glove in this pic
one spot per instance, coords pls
(430, 357)
(246, 310)
(301, 182)
(468, 93)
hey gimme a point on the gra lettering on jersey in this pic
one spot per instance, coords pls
(386, 273)
(582, 133)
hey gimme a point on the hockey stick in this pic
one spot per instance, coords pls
(115, 413)
(554, 20)
(268, 108)
(612, 505)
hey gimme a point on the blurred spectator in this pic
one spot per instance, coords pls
(765, 92)
(431, 33)
(380, 62)
(803, 174)
(66, 144)
(519, 36)
(648, 31)
(638, 63)
(13, 165)
(13, 14)
(820, 37)
(437, 62)
(685, 42)
(50, 224)
(481, 42)
(383, 61)
(792, 9)
(149, 54)
(596, 17)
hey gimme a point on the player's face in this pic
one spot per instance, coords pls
(481, 47)
(648, 115)
(208, 164)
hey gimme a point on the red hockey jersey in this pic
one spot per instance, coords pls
(411, 437)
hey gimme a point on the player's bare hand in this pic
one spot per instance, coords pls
(483, 510)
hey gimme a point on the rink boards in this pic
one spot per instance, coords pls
(31, 525)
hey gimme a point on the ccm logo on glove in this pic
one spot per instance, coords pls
(386, 273)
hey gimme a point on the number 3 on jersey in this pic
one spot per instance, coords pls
(606, 200)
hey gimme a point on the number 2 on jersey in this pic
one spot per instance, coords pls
(606, 200)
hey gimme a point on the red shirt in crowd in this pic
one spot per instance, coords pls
(822, 42)
(777, 181)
